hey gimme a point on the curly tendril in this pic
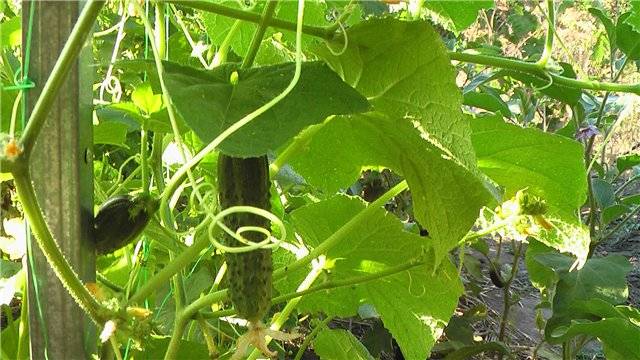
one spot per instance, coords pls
(268, 243)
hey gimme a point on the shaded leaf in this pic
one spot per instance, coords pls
(111, 133)
(626, 162)
(487, 102)
(339, 344)
(210, 103)
(619, 336)
(468, 351)
(613, 212)
(604, 193)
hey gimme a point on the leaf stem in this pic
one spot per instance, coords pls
(65, 61)
(506, 295)
(299, 143)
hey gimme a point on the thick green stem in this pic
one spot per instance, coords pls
(144, 142)
(59, 73)
(160, 32)
(176, 336)
(534, 69)
(322, 32)
(50, 249)
(256, 41)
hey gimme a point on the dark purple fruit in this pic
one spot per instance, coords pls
(120, 220)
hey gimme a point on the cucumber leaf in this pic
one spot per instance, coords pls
(414, 305)
(209, 102)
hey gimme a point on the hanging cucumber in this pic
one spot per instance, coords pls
(246, 182)
(121, 219)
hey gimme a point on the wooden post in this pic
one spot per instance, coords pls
(62, 173)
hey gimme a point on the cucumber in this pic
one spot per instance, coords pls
(246, 182)
(120, 220)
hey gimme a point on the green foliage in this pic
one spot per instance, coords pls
(391, 70)
(628, 37)
(376, 91)
(414, 305)
(460, 14)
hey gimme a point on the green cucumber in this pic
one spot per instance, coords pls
(120, 220)
(246, 182)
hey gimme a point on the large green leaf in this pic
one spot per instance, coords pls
(414, 305)
(404, 71)
(339, 344)
(460, 13)
(550, 165)
(634, 18)
(419, 131)
(209, 103)
(446, 195)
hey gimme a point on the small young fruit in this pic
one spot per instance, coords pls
(495, 276)
(120, 220)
